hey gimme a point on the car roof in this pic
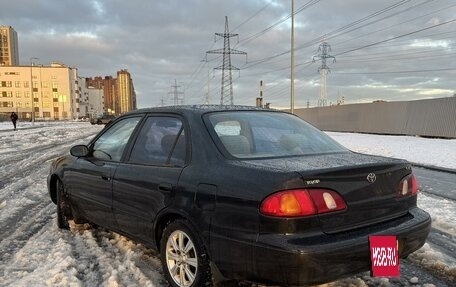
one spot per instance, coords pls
(199, 109)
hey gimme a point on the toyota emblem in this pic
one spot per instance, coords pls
(371, 177)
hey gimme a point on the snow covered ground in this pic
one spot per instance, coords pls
(426, 151)
(34, 252)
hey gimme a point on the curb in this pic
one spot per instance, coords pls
(436, 168)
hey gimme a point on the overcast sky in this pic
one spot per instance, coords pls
(159, 42)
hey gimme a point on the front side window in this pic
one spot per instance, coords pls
(161, 141)
(111, 144)
(257, 134)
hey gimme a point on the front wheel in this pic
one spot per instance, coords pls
(63, 209)
(184, 258)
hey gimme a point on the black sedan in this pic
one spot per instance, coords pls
(238, 193)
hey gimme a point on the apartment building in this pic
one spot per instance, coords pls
(51, 92)
(119, 93)
(92, 99)
(126, 92)
(9, 48)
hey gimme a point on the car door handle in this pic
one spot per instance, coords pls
(105, 177)
(165, 187)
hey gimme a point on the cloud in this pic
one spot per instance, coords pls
(159, 41)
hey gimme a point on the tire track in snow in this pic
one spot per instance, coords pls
(15, 236)
(118, 260)
(29, 160)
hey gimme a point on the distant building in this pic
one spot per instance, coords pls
(92, 99)
(9, 48)
(119, 93)
(125, 92)
(54, 88)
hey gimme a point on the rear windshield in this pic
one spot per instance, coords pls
(258, 134)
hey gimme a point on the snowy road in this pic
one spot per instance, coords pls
(34, 252)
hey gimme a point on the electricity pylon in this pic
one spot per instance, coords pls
(226, 94)
(176, 94)
(324, 50)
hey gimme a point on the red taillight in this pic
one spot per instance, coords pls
(301, 202)
(407, 186)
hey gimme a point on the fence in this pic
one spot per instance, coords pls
(432, 117)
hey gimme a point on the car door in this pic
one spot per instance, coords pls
(90, 183)
(146, 182)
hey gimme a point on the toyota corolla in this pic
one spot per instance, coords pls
(238, 193)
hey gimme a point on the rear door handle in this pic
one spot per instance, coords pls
(165, 187)
(105, 177)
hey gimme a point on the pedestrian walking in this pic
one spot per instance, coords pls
(13, 118)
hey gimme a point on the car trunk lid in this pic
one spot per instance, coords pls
(366, 183)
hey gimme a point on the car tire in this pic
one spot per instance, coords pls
(185, 260)
(63, 209)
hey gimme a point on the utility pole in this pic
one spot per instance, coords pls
(32, 115)
(259, 100)
(226, 94)
(292, 58)
(323, 50)
(176, 94)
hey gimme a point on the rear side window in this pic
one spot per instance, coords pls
(256, 134)
(161, 141)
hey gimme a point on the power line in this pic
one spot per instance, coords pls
(395, 72)
(397, 37)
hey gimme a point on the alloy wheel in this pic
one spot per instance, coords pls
(181, 258)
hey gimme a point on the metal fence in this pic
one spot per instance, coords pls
(433, 117)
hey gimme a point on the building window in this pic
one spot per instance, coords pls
(7, 104)
(7, 94)
(35, 95)
(35, 85)
(36, 100)
(46, 114)
(19, 104)
(18, 94)
(17, 84)
(9, 84)
(27, 94)
(27, 105)
(55, 85)
(45, 84)
(53, 77)
(36, 105)
(26, 84)
(46, 104)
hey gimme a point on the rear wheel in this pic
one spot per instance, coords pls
(184, 258)
(63, 209)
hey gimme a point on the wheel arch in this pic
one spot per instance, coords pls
(52, 187)
(169, 216)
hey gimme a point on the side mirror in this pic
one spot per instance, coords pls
(79, 151)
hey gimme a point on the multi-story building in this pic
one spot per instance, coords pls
(119, 93)
(52, 91)
(92, 98)
(125, 92)
(109, 86)
(9, 49)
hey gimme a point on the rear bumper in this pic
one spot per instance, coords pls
(297, 259)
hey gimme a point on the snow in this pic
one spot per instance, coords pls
(426, 151)
(34, 252)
